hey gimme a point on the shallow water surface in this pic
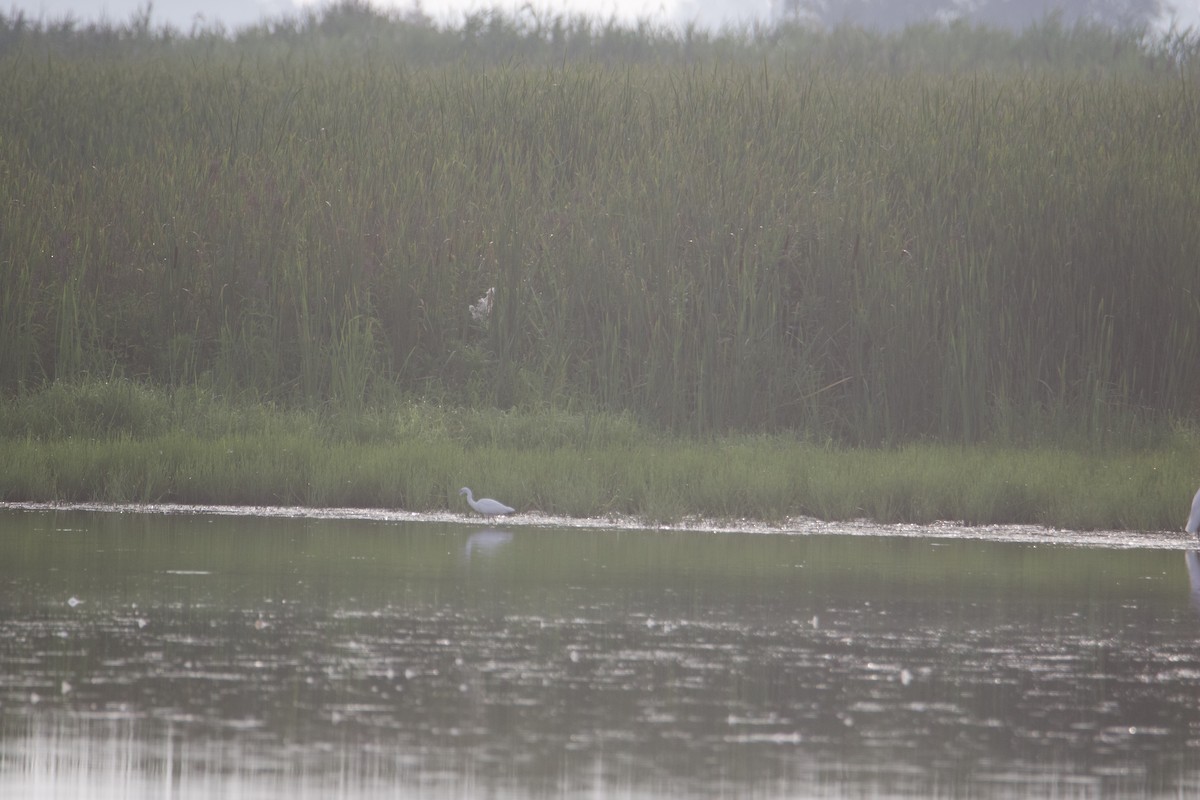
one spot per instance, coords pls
(211, 655)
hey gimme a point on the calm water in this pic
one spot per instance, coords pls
(150, 655)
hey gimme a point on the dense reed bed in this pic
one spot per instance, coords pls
(759, 239)
(356, 259)
(120, 442)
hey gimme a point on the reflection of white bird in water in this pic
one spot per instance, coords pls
(1193, 564)
(1193, 525)
(485, 505)
(485, 542)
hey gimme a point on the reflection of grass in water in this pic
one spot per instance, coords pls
(376, 557)
(124, 442)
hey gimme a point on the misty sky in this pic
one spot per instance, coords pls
(184, 14)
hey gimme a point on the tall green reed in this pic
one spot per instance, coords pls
(715, 245)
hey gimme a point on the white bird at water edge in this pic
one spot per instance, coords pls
(1193, 524)
(485, 505)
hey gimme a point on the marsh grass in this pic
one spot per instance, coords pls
(199, 449)
(837, 233)
(948, 273)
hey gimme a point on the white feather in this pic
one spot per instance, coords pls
(485, 505)
(1193, 525)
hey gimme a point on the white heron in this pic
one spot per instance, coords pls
(485, 505)
(1193, 525)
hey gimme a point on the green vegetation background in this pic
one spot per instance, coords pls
(728, 269)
